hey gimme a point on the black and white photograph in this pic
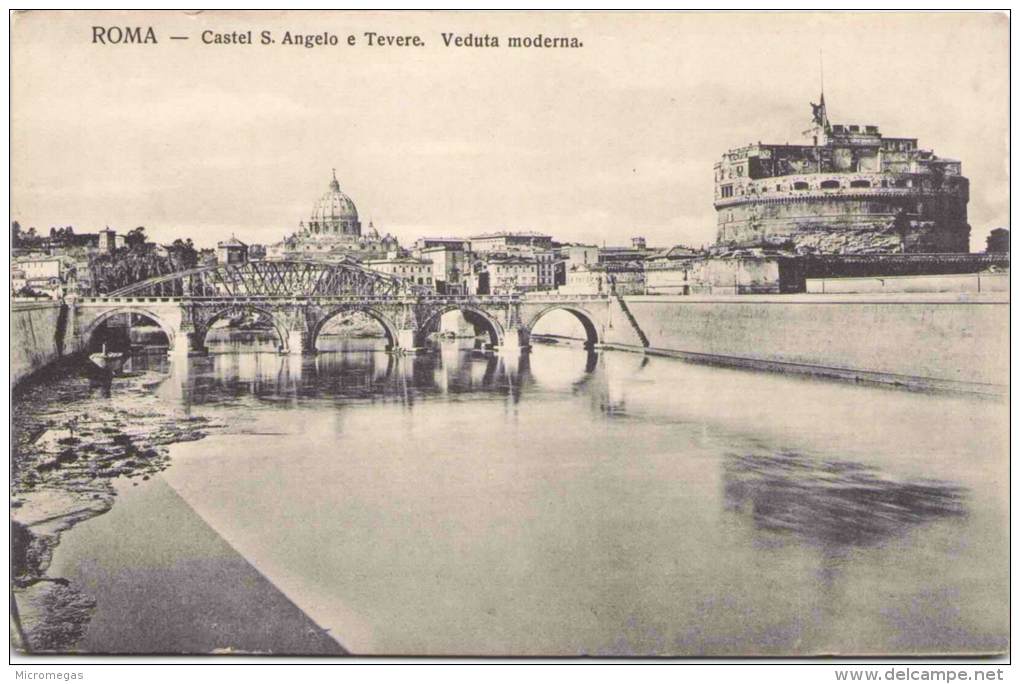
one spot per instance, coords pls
(583, 335)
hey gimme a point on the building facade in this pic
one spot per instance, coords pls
(617, 278)
(231, 251)
(41, 275)
(747, 271)
(493, 274)
(414, 271)
(545, 266)
(450, 267)
(851, 190)
(107, 241)
(576, 256)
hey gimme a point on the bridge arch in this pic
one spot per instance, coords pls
(586, 319)
(474, 315)
(90, 330)
(387, 325)
(281, 331)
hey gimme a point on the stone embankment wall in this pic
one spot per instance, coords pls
(936, 338)
(41, 332)
(962, 282)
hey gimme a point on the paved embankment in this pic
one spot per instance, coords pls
(934, 339)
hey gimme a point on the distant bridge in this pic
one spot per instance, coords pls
(300, 297)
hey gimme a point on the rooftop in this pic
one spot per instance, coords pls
(507, 233)
(435, 248)
(232, 242)
(399, 260)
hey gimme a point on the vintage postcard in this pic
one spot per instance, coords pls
(574, 334)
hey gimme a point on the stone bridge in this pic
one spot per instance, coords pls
(300, 297)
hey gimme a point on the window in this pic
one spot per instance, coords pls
(860, 184)
(727, 191)
(800, 185)
(830, 185)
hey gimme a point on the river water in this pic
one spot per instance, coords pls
(565, 503)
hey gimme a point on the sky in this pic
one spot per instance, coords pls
(594, 144)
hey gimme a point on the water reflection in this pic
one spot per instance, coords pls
(827, 502)
(832, 503)
(225, 339)
(361, 371)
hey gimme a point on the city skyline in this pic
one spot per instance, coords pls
(631, 133)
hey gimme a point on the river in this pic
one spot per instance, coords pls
(561, 503)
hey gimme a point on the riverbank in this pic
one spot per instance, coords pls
(74, 431)
(81, 441)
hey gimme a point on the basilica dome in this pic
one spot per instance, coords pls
(334, 213)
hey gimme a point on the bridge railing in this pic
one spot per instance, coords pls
(557, 297)
(342, 299)
(100, 299)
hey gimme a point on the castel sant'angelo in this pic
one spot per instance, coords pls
(850, 191)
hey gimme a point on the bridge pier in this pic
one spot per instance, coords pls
(406, 342)
(515, 341)
(187, 344)
(297, 343)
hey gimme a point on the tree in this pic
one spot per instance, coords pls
(135, 239)
(183, 254)
(15, 234)
(997, 241)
